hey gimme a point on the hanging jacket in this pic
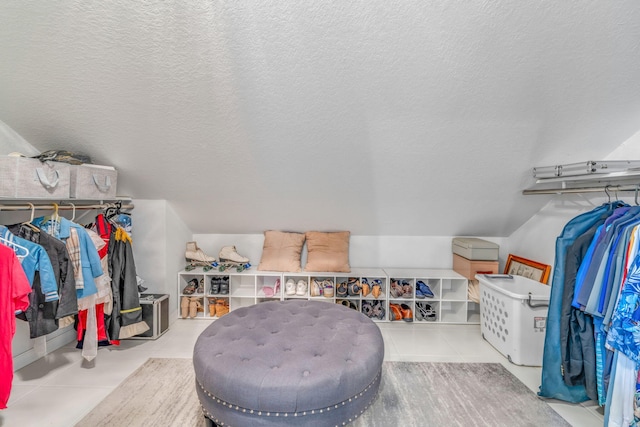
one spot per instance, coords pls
(43, 316)
(13, 297)
(577, 341)
(90, 261)
(126, 318)
(552, 384)
(36, 260)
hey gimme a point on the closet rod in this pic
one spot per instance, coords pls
(601, 189)
(61, 207)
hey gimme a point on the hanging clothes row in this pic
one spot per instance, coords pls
(69, 268)
(592, 342)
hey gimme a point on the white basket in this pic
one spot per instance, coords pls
(513, 316)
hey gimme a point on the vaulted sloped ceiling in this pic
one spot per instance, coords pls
(407, 117)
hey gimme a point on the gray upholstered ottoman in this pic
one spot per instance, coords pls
(296, 362)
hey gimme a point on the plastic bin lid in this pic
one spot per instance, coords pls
(473, 242)
(515, 286)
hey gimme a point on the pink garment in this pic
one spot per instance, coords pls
(14, 295)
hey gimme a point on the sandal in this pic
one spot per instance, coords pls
(354, 287)
(407, 289)
(191, 287)
(269, 291)
(342, 289)
(396, 289)
(376, 288)
(365, 287)
(378, 310)
(367, 309)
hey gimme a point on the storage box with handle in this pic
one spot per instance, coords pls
(513, 316)
(475, 249)
(93, 182)
(27, 178)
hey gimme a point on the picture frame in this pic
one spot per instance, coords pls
(527, 268)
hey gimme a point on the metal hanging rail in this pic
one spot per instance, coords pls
(63, 205)
(578, 190)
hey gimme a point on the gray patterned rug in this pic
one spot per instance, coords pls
(162, 393)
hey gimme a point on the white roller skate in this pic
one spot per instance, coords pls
(230, 258)
(197, 258)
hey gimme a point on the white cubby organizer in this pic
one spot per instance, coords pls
(246, 288)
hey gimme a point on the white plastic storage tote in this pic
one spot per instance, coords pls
(26, 178)
(513, 316)
(93, 182)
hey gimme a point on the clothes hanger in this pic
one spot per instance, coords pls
(636, 196)
(606, 190)
(15, 246)
(73, 213)
(30, 222)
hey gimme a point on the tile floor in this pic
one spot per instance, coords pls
(59, 389)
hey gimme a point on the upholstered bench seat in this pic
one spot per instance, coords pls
(292, 362)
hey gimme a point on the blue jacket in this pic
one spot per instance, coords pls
(36, 260)
(89, 257)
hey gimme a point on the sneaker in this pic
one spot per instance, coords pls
(396, 289)
(316, 287)
(229, 253)
(215, 286)
(425, 312)
(224, 285)
(301, 288)
(327, 288)
(194, 253)
(290, 287)
(367, 309)
(423, 290)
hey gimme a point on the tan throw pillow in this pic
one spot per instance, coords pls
(328, 251)
(281, 251)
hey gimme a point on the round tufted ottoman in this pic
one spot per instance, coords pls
(295, 362)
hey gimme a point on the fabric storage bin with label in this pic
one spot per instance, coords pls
(93, 182)
(475, 249)
(513, 316)
(26, 178)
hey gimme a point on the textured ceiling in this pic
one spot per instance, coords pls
(407, 117)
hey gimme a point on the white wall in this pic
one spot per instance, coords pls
(364, 251)
(159, 238)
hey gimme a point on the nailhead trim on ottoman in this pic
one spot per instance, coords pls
(293, 362)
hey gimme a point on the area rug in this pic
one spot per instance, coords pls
(162, 393)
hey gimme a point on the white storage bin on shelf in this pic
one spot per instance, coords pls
(26, 178)
(93, 182)
(513, 316)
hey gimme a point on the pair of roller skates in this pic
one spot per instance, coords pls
(228, 255)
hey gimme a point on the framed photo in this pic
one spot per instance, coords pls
(526, 268)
